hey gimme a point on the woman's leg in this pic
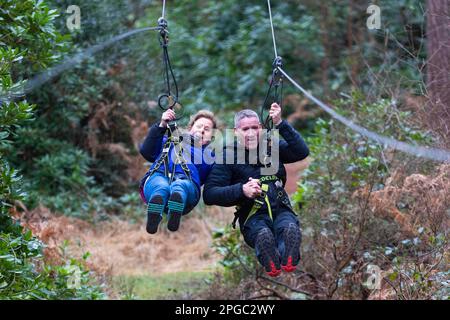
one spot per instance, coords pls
(183, 195)
(156, 191)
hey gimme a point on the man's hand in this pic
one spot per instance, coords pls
(167, 116)
(275, 113)
(252, 188)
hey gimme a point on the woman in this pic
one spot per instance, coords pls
(181, 194)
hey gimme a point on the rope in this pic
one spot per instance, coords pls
(420, 151)
(276, 83)
(168, 74)
(164, 9)
(68, 63)
(273, 33)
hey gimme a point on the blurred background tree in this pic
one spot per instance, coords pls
(79, 154)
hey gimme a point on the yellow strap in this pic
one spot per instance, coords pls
(266, 198)
(258, 204)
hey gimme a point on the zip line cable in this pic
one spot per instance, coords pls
(430, 153)
(69, 63)
(420, 151)
(271, 26)
(163, 9)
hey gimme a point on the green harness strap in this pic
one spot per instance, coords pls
(259, 201)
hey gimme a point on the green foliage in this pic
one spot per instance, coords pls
(417, 280)
(335, 210)
(223, 54)
(238, 260)
(65, 170)
(24, 276)
(29, 42)
(62, 169)
(174, 285)
(28, 28)
(344, 160)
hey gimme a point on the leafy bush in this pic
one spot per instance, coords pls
(349, 225)
(29, 42)
(237, 258)
(24, 275)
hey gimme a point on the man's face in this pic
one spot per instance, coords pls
(248, 132)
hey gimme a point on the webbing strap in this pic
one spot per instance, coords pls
(179, 159)
(259, 202)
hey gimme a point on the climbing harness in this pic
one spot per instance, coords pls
(263, 198)
(175, 141)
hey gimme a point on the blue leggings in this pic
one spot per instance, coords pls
(158, 184)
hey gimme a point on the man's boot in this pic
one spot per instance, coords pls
(267, 252)
(291, 257)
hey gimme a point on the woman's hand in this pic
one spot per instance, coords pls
(167, 116)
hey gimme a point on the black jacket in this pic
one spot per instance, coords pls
(223, 187)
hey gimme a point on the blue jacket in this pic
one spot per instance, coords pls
(151, 150)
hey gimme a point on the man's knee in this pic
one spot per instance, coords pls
(252, 228)
(284, 220)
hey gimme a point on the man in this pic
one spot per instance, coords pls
(266, 218)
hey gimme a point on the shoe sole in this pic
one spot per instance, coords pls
(271, 259)
(292, 238)
(176, 208)
(155, 209)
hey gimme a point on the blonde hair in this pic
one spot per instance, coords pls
(203, 114)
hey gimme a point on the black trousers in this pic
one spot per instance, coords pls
(260, 220)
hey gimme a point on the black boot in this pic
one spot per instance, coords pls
(176, 208)
(291, 257)
(268, 254)
(155, 209)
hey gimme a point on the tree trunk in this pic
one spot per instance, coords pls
(438, 67)
(326, 47)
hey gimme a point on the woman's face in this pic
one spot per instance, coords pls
(202, 129)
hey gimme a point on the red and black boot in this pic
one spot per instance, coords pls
(268, 254)
(291, 256)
